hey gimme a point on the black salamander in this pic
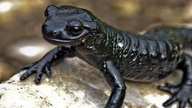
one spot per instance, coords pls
(118, 54)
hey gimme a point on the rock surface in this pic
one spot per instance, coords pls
(76, 84)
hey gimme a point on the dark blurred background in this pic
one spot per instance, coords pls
(20, 23)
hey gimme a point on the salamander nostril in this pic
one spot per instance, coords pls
(55, 33)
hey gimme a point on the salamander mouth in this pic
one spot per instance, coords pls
(62, 41)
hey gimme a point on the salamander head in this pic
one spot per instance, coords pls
(68, 25)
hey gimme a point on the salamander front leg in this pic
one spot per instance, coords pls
(117, 84)
(43, 65)
(182, 92)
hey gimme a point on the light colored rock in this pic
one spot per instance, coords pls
(68, 87)
(76, 84)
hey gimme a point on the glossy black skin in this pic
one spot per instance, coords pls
(118, 54)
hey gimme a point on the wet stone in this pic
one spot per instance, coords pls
(74, 83)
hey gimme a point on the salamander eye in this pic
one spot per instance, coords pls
(75, 30)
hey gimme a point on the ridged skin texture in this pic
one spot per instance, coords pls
(148, 57)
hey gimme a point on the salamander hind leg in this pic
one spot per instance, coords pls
(181, 93)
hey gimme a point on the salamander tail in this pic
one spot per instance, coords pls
(186, 33)
(181, 34)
